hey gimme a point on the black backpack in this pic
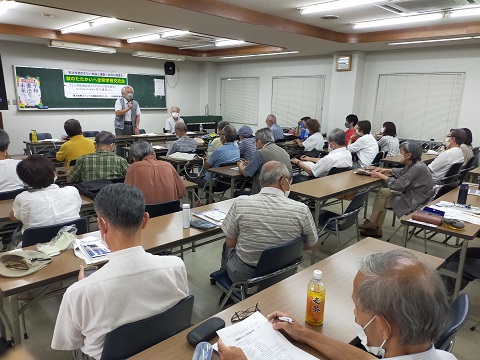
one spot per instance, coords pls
(91, 188)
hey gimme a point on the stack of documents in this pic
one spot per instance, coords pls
(259, 341)
(214, 216)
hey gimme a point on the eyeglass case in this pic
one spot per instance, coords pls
(206, 331)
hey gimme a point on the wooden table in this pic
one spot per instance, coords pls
(324, 188)
(230, 172)
(398, 160)
(470, 232)
(162, 233)
(289, 295)
(180, 163)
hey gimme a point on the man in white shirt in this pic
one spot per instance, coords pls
(452, 155)
(366, 147)
(9, 179)
(173, 120)
(127, 113)
(133, 285)
(338, 157)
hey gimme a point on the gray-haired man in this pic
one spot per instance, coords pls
(248, 231)
(133, 285)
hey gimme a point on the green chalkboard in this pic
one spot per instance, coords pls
(53, 96)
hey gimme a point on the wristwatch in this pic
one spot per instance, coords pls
(136, 127)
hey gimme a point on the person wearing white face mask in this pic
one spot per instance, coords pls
(400, 304)
(452, 155)
(173, 120)
(127, 113)
(250, 216)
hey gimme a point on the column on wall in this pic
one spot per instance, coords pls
(346, 90)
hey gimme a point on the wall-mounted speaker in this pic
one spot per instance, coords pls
(169, 68)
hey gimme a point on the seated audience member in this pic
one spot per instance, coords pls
(102, 164)
(467, 146)
(246, 145)
(226, 154)
(365, 146)
(315, 140)
(9, 179)
(77, 146)
(45, 203)
(249, 231)
(300, 131)
(350, 123)
(400, 304)
(453, 154)
(388, 140)
(184, 143)
(277, 131)
(217, 142)
(173, 120)
(338, 157)
(131, 286)
(157, 180)
(267, 150)
(407, 188)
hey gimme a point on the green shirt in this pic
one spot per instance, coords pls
(102, 164)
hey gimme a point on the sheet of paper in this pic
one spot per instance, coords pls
(457, 213)
(235, 168)
(260, 341)
(159, 87)
(431, 152)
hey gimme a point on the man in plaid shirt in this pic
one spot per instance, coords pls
(102, 164)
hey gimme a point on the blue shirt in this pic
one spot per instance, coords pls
(228, 153)
(277, 132)
(247, 148)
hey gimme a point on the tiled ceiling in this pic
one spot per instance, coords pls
(276, 25)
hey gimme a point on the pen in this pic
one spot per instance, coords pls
(284, 318)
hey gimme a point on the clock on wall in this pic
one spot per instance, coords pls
(344, 62)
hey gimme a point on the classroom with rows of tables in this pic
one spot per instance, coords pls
(221, 179)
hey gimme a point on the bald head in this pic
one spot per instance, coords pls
(405, 292)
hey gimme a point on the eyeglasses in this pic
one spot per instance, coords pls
(289, 179)
(242, 315)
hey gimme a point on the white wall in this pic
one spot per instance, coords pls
(427, 60)
(186, 94)
(266, 70)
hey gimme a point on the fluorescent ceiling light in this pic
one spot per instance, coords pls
(196, 46)
(81, 47)
(398, 20)
(173, 33)
(465, 12)
(254, 55)
(156, 55)
(144, 38)
(429, 41)
(5, 5)
(228, 42)
(87, 25)
(333, 5)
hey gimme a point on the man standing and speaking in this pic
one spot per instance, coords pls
(127, 115)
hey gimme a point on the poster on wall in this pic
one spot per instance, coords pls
(93, 84)
(29, 93)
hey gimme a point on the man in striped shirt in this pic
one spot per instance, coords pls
(249, 231)
(102, 164)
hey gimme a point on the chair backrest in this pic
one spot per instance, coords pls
(119, 180)
(42, 234)
(445, 189)
(352, 210)
(72, 162)
(11, 194)
(155, 210)
(377, 158)
(92, 133)
(472, 163)
(276, 258)
(457, 316)
(475, 150)
(451, 173)
(338, 170)
(41, 136)
(130, 339)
